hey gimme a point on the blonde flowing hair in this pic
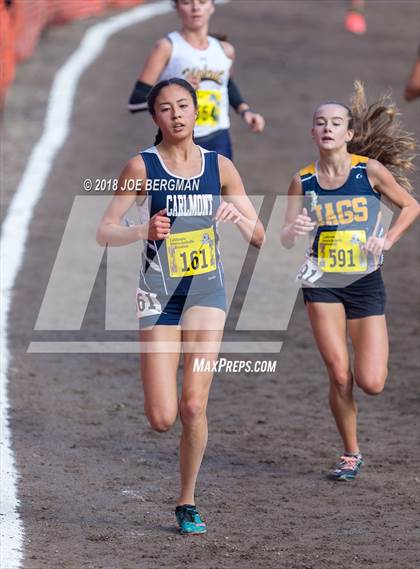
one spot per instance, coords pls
(379, 134)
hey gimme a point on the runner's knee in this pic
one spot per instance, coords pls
(373, 388)
(192, 410)
(340, 376)
(160, 422)
(373, 383)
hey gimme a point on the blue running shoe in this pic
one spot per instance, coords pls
(189, 520)
(347, 468)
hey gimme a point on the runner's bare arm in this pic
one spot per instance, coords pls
(156, 62)
(383, 181)
(255, 121)
(297, 222)
(110, 232)
(412, 89)
(231, 54)
(236, 206)
(228, 49)
(154, 65)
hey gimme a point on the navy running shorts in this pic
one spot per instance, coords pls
(172, 307)
(364, 297)
(218, 141)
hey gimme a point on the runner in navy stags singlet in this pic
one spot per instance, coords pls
(364, 154)
(345, 217)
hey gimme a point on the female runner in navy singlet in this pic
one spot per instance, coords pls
(181, 302)
(336, 201)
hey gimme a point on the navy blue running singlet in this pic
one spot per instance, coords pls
(188, 260)
(345, 218)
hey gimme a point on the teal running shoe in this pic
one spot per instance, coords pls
(346, 468)
(189, 520)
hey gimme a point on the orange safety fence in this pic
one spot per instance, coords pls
(28, 19)
(122, 3)
(22, 22)
(7, 52)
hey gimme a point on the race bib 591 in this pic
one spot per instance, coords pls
(342, 251)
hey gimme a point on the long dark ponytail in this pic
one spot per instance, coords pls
(156, 89)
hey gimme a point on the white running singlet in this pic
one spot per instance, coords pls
(212, 65)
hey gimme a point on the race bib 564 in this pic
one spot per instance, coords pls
(208, 107)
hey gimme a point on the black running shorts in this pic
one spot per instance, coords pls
(364, 297)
